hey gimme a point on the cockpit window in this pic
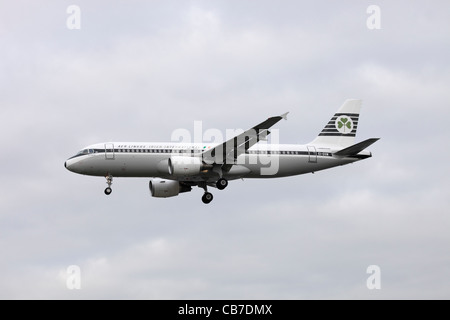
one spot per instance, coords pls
(84, 151)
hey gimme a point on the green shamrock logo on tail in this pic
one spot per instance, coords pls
(344, 124)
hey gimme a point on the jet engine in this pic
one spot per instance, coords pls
(161, 188)
(185, 166)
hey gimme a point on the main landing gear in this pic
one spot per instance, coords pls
(221, 184)
(207, 196)
(109, 179)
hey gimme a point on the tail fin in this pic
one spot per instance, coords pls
(341, 129)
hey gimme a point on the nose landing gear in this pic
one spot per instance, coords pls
(109, 179)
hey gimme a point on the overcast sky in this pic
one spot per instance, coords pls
(138, 70)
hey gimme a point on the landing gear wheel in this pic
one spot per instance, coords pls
(109, 179)
(207, 197)
(221, 184)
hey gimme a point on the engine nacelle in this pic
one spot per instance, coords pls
(161, 188)
(184, 166)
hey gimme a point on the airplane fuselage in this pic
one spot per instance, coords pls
(131, 159)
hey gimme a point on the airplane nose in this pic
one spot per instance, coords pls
(71, 166)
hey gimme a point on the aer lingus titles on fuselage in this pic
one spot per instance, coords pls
(174, 168)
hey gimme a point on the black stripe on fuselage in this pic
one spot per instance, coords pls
(189, 153)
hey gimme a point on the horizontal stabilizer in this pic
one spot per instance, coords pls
(356, 148)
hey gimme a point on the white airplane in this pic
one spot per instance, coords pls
(174, 168)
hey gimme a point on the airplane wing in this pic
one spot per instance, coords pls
(227, 152)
